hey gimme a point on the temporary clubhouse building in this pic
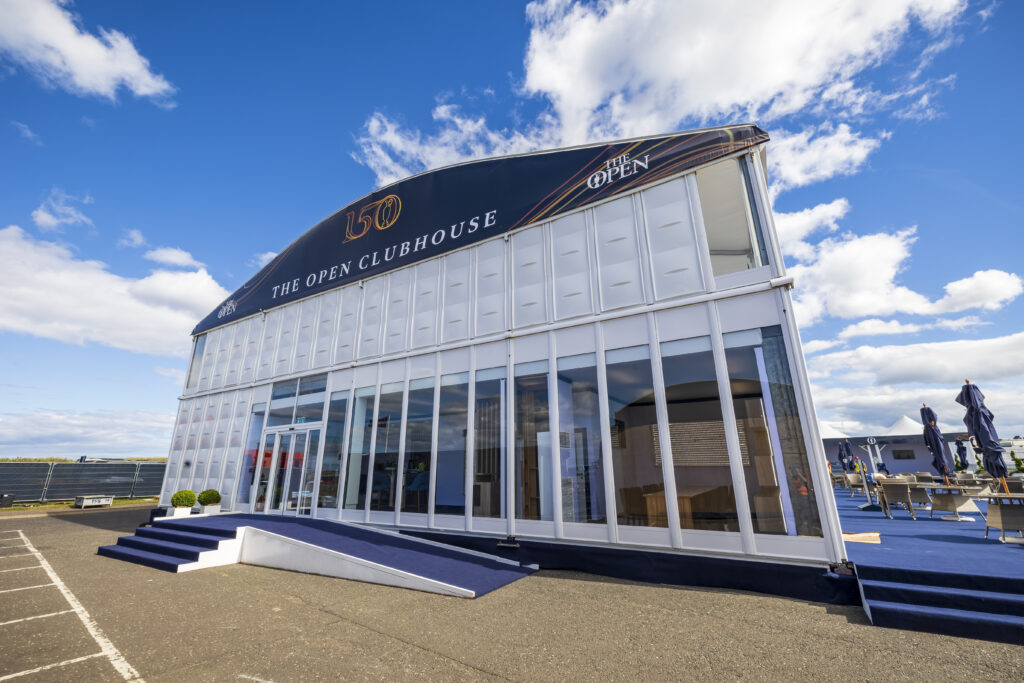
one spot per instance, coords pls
(587, 356)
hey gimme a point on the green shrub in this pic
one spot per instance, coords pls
(183, 499)
(209, 497)
(1018, 464)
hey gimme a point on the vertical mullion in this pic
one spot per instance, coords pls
(373, 446)
(555, 429)
(432, 493)
(400, 469)
(664, 435)
(611, 504)
(732, 437)
(468, 462)
(510, 435)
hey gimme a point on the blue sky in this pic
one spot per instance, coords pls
(152, 153)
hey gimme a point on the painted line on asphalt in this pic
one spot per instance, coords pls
(40, 616)
(4, 557)
(106, 647)
(26, 672)
(27, 588)
(21, 569)
(11, 546)
(10, 531)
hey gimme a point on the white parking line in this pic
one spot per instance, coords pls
(4, 557)
(21, 569)
(40, 616)
(107, 648)
(27, 588)
(26, 672)
(11, 531)
(12, 546)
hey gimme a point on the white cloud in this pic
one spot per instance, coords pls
(172, 256)
(816, 154)
(132, 239)
(45, 38)
(260, 260)
(47, 292)
(176, 374)
(100, 433)
(793, 228)
(27, 133)
(57, 210)
(856, 276)
(816, 345)
(622, 68)
(876, 326)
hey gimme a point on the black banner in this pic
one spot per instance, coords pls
(439, 211)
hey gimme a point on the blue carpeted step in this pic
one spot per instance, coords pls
(163, 547)
(989, 602)
(966, 580)
(224, 531)
(188, 537)
(168, 563)
(953, 622)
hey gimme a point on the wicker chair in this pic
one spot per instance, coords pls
(897, 491)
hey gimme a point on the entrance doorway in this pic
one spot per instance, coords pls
(286, 481)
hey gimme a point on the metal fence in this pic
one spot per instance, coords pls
(42, 481)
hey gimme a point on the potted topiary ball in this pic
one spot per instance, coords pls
(210, 500)
(183, 501)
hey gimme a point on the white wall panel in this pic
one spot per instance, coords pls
(233, 450)
(425, 303)
(396, 330)
(618, 256)
(571, 267)
(374, 291)
(491, 287)
(268, 350)
(286, 345)
(220, 365)
(529, 292)
(209, 359)
(252, 350)
(241, 331)
(325, 329)
(348, 325)
(748, 312)
(305, 334)
(455, 323)
(675, 264)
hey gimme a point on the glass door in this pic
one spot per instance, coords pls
(286, 482)
(302, 482)
(265, 463)
(279, 478)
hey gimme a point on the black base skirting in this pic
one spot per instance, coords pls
(636, 564)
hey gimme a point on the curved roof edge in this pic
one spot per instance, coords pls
(436, 211)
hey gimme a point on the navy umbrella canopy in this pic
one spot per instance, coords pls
(961, 453)
(979, 423)
(933, 439)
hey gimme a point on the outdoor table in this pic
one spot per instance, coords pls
(1005, 511)
(955, 498)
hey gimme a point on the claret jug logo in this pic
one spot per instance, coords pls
(616, 169)
(381, 214)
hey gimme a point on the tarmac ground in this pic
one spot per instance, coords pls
(91, 617)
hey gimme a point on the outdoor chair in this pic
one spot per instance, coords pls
(925, 477)
(1015, 485)
(897, 492)
(854, 480)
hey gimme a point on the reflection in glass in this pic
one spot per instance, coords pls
(334, 442)
(778, 480)
(197, 361)
(297, 464)
(385, 458)
(359, 448)
(700, 457)
(307, 480)
(266, 460)
(452, 421)
(310, 404)
(418, 430)
(639, 486)
(579, 436)
(533, 442)
(281, 474)
(489, 443)
(282, 403)
(252, 444)
(723, 201)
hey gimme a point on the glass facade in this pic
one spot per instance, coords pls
(597, 462)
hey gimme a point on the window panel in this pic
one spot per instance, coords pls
(723, 202)
(489, 443)
(252, 445)
(639, 485)
(533, 443)
(700, 457)
(197, 361)
(309, 406)
(334, 445)
(579, 438)
(282, 403)
(418, 435)
(359, 448)
(385, 454)
(452, 422)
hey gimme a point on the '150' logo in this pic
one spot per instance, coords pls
(381, 214)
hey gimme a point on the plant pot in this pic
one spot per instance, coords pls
(181, 512)
(211, 509)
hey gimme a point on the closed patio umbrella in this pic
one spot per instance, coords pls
(979, 424)
(961, 454)
(933, 440)
(845, 456)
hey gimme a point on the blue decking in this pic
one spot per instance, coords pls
(439, 563)
(937, 576)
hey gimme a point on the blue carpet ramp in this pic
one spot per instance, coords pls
(317, 547)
